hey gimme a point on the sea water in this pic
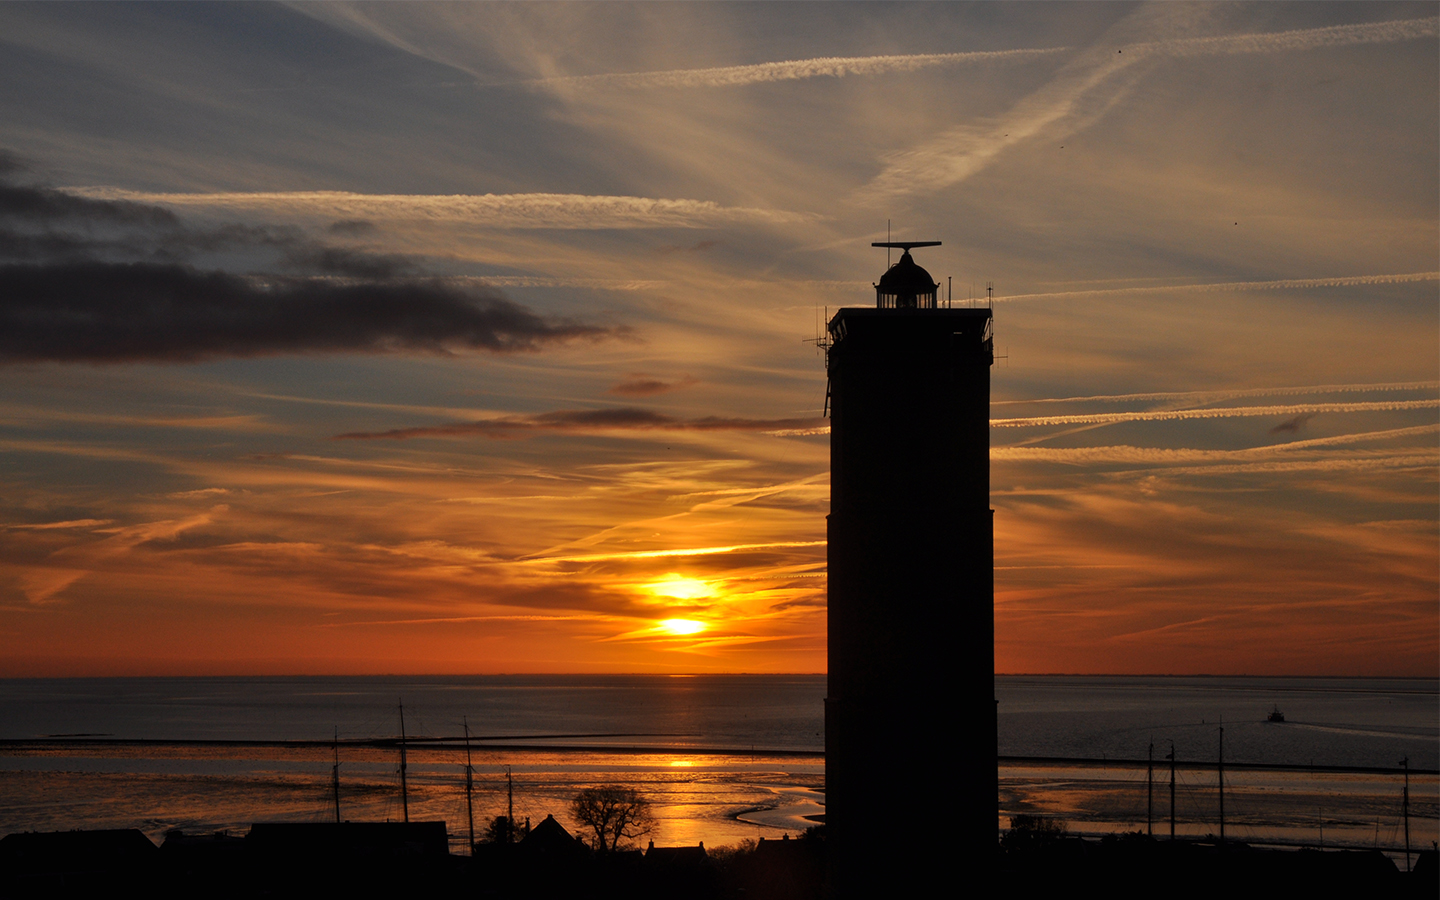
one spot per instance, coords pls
(721, 758)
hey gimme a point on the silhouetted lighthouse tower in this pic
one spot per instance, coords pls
(910, 742)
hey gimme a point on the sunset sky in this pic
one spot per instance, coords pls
(427, 338)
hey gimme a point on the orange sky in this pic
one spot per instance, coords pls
(448, 339)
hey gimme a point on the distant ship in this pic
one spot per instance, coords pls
(1275, 715)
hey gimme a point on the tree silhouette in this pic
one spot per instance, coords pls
(613, 813)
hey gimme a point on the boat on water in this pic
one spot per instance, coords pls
(1275, 715)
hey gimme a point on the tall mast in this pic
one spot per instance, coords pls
(1150, 792)
(404, 788)
(1221, 780)
(510, 806)
(335, 774)
(469, 787)
(1171, 757)
(1405, 810)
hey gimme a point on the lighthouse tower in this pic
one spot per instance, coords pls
(910, 741)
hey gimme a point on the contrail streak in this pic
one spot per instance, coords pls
(841, 66)
(1231, 412)
(656, 554)
(1205, 396)
(485, 210)
(1300, 39)
(1123, 453)
(1282, 284)
(796, 69)
(958, 153)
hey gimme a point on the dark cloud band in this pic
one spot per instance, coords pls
(109, 281)
(122, 312)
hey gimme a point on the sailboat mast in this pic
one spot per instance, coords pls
(510, 806)
(469, 787)
(335, 775)
(404, 788)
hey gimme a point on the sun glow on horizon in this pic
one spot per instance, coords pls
(683, 626)
(678, 587)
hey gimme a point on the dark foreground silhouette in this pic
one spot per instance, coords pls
(375, 858)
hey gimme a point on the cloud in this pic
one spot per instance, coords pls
(48, 526)
(1299, 39)
(1293, 425)
(352, 227)
(1173, 414)
(588, 421)
(698, 247)
(1123, 454)
(1283, 284)
(795, 69)
(665, 554)
(1091, 83)
(641, 385)
(105, 280)
(563, 211)
(32, 203)
(1210, 396)
(124, 312)
(69, 565)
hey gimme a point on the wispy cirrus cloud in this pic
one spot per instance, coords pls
(641, 385)
(588, 421)
(1090, 83)
(1231, 286)
(1211, 396)
(50, 526)
(1127, 454)
(67, 566)
(1164, 415)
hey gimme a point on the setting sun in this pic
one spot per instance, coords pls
(682, 626)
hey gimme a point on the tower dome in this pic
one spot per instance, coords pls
(906, 285)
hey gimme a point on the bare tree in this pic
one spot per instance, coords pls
(613, 813)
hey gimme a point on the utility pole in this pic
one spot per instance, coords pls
(509, 807)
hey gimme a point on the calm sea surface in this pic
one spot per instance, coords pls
(723, 758)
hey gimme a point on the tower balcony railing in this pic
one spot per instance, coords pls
(905, 301)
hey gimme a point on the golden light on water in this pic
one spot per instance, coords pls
(682, 626)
